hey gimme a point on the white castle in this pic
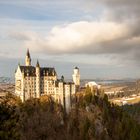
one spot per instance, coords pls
(33, 82)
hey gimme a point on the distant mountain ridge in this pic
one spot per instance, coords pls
(6, 80)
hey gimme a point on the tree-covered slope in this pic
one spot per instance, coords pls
(91, 118)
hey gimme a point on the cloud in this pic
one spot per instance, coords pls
(102, 36)
(121, 10)
(23, 35)
(115, 33)
(114, 9)
(83, 38)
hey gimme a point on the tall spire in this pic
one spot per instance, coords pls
(28, 53)
(28, 58)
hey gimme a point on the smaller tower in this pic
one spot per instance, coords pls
(38, 93)
(62, 78)
(28, 59)
(76, 77)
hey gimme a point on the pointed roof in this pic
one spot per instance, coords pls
(37, 64)
(28, 53)
(62, 78)
(31, 71)
(76, 67)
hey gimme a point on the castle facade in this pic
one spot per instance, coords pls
(34, 82)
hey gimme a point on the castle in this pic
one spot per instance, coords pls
(33, 82)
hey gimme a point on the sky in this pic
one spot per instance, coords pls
(101, 37)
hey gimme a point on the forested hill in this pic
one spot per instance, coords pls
(91, 118)
(133, 110)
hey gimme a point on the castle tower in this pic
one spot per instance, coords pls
(76, 77)
(28, 59)
(38, 93)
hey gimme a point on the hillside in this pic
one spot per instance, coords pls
(91, 118)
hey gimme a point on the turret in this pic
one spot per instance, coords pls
(38, 80)
(28, 59)
(76, 77)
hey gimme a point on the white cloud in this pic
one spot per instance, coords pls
(77, 37)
